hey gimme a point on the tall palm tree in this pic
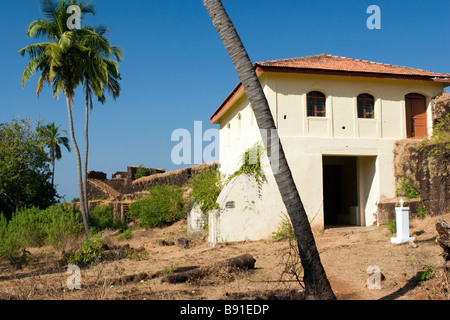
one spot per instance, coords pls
(52, 138)
(57, 61)
(100, 74)
(316, 282)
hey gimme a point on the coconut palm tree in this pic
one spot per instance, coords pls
(316, 282)
(52, 138)
(57, 61)
(100, 74)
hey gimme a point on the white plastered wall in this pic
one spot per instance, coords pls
(306, 140)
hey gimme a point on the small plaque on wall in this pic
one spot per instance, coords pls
(230, 205)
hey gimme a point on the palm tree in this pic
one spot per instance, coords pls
(58, 63)
(51, 138)
(100, 74)
(316, 282)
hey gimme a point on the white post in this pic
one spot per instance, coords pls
(402, 221)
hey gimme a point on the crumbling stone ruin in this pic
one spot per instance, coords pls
(124, 187)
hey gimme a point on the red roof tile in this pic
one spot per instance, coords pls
(335, 63)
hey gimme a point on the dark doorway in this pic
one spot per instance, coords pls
(340, 190)
(416, 115)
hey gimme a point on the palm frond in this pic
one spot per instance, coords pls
(34, 65)
(43, 28)
(34, 50)
(44, 78)
(49, 8)
(87, 7)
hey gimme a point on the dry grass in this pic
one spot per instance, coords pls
(345, 254)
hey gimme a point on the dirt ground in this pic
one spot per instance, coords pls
(346, 254)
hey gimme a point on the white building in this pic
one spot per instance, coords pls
(338, 119)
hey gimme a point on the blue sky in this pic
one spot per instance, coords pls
(176, 70)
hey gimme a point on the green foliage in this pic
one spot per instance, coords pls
(92, 247)
(141, 172)
(167, 271)
(10, 244)
(438, 146)
(284, 229)
(137, 255)
(162, 206)
(91, 250)
(34, 228)
(125, 235)
(25, 176)
(103, 217)
(407, 190)
(251, 163)
(421, 210)
(206, 188)
(391, 225)
(427, 273)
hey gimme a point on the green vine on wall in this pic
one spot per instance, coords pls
(251, 164)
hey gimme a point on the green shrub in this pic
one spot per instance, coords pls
(35, 228)
(391, 225)
(421, 210)
(125, 235)
(91, 250)
(103, 217)
(407, 190)
(427, 273)
(66, 223)
(206, 188)
(284, 229)
(141, 172)
(10, 244)
(162, 206)
(28, 226)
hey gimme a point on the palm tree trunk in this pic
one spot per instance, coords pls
(316, 282)
(53, 174)
(52, 160)
(79, 168)
(86, 152)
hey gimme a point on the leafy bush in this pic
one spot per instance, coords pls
(10, 245)
(28, 226)
(162, 206)
(65, 224)
(427, 273)
(206, 188)
(391, 225)
(407, 190)
(284, 229)
(125, 235)
(421, 210)
(91, 251)
(35, 228)
(103, 217)
(141, 172)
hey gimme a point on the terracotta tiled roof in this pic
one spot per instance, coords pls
(334, 63)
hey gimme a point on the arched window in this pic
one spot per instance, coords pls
(316, 104)
(366, 103)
